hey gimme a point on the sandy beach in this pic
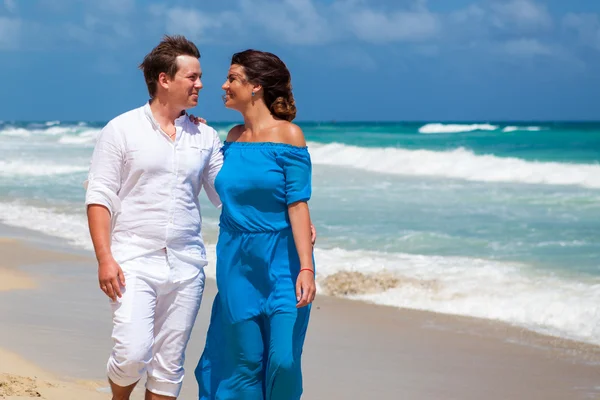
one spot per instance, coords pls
(22, 379)
(55, 339)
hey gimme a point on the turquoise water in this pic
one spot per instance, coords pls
(577, 142)
(503, 217)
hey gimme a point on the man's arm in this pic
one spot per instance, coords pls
(212, 169)
(110, 274)
(102, 201)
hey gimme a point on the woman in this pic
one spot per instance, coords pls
(265, 269)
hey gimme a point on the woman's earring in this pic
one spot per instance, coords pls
(253, 93)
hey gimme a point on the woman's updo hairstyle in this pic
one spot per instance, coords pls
(266, 69)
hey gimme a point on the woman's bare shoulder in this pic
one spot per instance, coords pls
(234, 133)
(290, 133)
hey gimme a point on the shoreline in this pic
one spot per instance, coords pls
(523, 294)
(353, 348)
(20, 256)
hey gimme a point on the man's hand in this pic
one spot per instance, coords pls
(111, 278)
(196, 120)
(313, 234)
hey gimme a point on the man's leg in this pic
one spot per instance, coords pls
(154, 396)
(119, 392)
(176, 311)
(133, 333)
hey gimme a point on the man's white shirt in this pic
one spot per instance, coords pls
(150, 185)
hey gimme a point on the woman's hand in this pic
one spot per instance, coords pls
(196, 120)
(305, 287)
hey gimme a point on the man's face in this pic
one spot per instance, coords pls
(186, 84)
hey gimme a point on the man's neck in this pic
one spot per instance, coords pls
(164, 113)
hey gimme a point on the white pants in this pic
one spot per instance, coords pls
(152, 323)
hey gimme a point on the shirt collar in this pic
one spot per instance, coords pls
(155, 124)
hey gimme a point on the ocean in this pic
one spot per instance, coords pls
(495, 220)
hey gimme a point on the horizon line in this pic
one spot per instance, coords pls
(335, 121)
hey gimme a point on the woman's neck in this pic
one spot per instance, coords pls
(257, 118)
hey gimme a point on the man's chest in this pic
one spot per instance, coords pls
(156, 155)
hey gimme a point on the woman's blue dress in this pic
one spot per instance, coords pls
(256, 333)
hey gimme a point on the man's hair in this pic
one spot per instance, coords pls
(163, 58)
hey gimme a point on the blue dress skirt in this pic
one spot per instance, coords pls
(256, 333)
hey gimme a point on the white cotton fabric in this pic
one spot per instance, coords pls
(152, 323)
(150, 185)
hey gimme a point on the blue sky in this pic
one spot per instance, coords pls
(374, 60)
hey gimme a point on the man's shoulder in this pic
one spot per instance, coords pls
(200, 129)
(127, 117)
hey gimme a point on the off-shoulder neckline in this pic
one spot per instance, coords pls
(266, 144)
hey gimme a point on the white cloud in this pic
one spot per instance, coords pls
(587, 27)
(517, 28)
(190, 23)
(94, 30)
(302, 22)
(505, 18)
(10, 5)
(10, 32)
(292, 22)
(526, 48)
(200, 26)
(521, 13)
(398, 26)
(120, 7)
(473, 13)
(289, 21)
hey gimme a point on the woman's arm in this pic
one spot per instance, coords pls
(300, 221)
(302, 228)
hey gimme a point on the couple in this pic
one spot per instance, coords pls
(146, 173)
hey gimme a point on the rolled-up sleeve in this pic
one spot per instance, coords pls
(104, 178)
(212, 169)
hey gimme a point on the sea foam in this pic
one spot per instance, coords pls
(456, 164)
(26, 168)
(455, 128)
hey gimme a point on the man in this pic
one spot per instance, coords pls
(146, 173)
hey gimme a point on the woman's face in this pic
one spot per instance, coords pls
(238, 91)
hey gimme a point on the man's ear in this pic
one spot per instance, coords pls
(164, 80)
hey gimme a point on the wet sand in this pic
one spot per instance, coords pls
(54, 316)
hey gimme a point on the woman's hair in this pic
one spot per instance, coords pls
(266, 69)
(163, 58)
